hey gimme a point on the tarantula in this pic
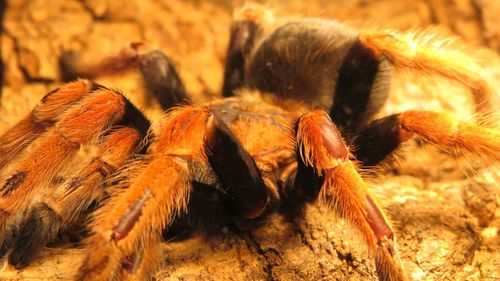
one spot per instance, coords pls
(296, 121)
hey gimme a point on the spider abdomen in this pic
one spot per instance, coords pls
(323, 64)
(301, 60)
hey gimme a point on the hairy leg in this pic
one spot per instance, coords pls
(81, 124)
(362, 88)
(161, 79)
(158, 190)
(45, 114)
(384, 136)
(69, 205)
(246, 25)
(419, 54)
(344, 191)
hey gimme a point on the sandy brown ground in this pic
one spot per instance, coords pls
(447, 223)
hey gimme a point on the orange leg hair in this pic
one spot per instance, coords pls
(416, 53)
(129, 226)
(322, 148)
(68, 205)
(445, 131)
(79, 125)
(143, 262)
(383, 136)
(134, 217)
(74, 65)
(116, 148)
(43, 116)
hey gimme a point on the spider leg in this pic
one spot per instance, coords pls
(383, 136)
(322, 148)
(52, 153)
(43, 116)
(361, 89)
(408, 52)
(142, 262)
(246, 24)
(161, 79)
(74, 65)
(132, 221)
(65, 207)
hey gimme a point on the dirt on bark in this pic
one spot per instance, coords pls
(446, 217)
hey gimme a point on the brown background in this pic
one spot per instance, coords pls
(447, 222)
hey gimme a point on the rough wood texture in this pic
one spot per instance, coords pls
(447, 223)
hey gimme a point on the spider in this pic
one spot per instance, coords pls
(296, 123)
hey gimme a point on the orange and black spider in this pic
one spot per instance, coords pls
(296, 123)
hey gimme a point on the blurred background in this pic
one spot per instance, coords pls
(447, 222)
